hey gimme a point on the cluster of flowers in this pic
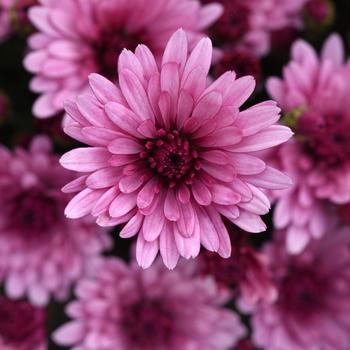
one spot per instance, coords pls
(180, 153)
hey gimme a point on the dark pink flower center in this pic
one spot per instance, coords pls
(241, 62)
(302, 293)
(110, 45)
(148, 323)
(20, 323)
(233, 23)
(32, 213)
(171, 157)
(326, 139)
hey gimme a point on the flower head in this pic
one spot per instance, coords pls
(313, 93)
(123, 307)
(41, 252)
(311, 311)
(169, 155)
(65, 51)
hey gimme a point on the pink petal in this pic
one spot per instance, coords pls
(132, 227)
(250, 222)
(171, 207)
(125, 146)
(103, 178)
(135, 94)
(86, 159)
(246, 164)
(82, 203)
(168, 248)
(69, 334)
(270, 137)
(201, 193)
(122, 204)
(270, 178)
(146, 252)
(104, 90)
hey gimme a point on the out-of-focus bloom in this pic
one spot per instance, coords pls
(65, 51)
(41, 252)
(13, 15)
(22, 327)
(169, 155)
(250, 23)
(123, 307)
(245, 272)
(314, 94)
(312, 311)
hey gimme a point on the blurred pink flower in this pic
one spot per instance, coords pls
(66, 50)
(170, 155)
(314, 94)
(245, 273)
(250, 23)
(41, 252)
(22, 327)
(123, 307)
(312, 311)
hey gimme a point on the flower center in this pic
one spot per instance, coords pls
(233, 23)
(327, 139)
(110, 45)
(31, 213)
(241, 62)
(148, 324)
(302, 293)
(171, 157)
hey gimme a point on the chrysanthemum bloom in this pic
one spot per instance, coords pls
(245, 273)
(65, 51)
(41, 252)
(312, 311)
(250, 23)
(313, 94)
(123, 307)
(169, 155)
(22, 327)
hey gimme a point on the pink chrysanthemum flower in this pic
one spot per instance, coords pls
(22, 327)
(123, 307)
(314, 94)
(41, 252)
(312, 311)
(66, 51)
(169, 155)
(250, 23)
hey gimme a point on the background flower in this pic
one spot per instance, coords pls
(65, 51)
(312, 310)
(123, 307)
(313, 94)
(41, 252)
